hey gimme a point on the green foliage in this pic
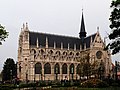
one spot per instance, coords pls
(9, 70)
(7, 87)
(27, 85)
(115, 26)
(3, 34)
(96, 83)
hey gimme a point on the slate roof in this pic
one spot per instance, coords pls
(58, 39)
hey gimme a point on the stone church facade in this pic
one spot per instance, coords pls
(43, 56)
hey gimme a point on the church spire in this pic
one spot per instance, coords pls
(82, 33)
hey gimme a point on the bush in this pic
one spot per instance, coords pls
(27, 85)
(114, 84)
(7, 87)
(94, 83)
(77, 83)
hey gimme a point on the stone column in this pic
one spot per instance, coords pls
(42, 71)
(52, 71)
(75, 74)
(61, 76)
(68, 71)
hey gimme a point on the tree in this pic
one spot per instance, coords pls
(85, 70)
(9, 70)
(3, 34)
(115, 26)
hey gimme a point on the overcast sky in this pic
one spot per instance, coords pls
(61, 17)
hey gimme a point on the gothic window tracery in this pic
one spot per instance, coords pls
(64, 68)
(47, 68)
(50, 53)
(42, 51)
(57, 53)
(38, 68)
(64, 53)
(56, 69)
(71, 68)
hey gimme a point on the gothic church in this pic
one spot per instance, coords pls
(44, 56)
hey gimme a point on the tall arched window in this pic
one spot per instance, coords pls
(71, 68)
(38, 68)
(78, 69)
(64, 68)
(47, 68)
(56, 69)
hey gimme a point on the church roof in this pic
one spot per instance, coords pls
(58, 39)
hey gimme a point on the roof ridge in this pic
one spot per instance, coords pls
(91, 35)
(55, 34)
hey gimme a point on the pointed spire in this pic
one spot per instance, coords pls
(23, 26)
(68, 46)
(91, 41)
(105, 41)
(37, 43)
(84, 46)
(46, 42)
(97, 29)
(61, 45)
(82, 33)
(54, 45)
(74, 47)
(26, 26)
(80, 47)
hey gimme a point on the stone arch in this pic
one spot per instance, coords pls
(71, 69)
(42, 51)
(64, 53)
(47, 68)
(38, 68)
(78, 69)
(51, 52)
(77, 54)
(33, 52)
(56, 69)
(64, 68)
(57, 53)
(71, 53)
